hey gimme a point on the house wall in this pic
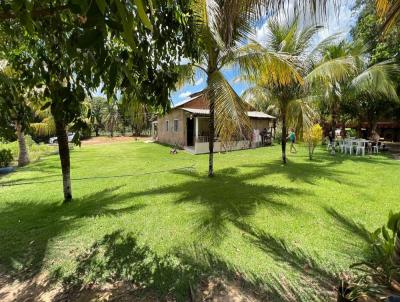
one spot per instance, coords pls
(260, 124)
(172, 137)
(201, 148)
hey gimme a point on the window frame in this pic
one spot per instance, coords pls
(177, 125)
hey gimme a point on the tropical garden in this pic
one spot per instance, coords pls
(128, 220)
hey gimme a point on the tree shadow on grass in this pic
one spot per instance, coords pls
(354, 236)
(316, 280)
(307, 172)
(27, 227)
(226, 197)
(129, 270)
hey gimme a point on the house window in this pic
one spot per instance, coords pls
(167, 125)
(176, 125)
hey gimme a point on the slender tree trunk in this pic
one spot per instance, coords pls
(211, 135)
(23, 157)
(97, 131)
(284, 133)
(63, 149)
(343, 129)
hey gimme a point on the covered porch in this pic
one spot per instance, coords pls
(197, 133)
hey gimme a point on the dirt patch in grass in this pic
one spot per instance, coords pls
(41, 289)
(116, 139)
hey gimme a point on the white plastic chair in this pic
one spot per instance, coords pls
(328, 144)
(348, 147)
(360, 148)
(342, 145)
(375, 149)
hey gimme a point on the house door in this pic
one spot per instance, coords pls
(190, 131)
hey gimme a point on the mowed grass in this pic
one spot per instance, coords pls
(156, 219)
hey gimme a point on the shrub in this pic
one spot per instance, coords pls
(312, 136)
(5, 158)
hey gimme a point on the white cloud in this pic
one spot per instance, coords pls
(199, 82)
(185, 94)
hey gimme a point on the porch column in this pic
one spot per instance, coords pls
(196, 127)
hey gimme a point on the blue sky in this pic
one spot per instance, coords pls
(339, 21)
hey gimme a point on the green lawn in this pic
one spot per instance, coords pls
(142, 214)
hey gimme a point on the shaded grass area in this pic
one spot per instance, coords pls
(142, 215)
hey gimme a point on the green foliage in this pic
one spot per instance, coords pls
(36, 151)
(5, 158)
(381, 269)
(313, 137)
(381, 47)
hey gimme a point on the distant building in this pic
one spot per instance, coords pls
(186, 126)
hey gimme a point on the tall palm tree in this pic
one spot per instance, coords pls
(223, 26)
(389, 10)
(112, 116)
(135, 112)
(291, 97)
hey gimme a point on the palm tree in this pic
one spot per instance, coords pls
(222, 28)
(46, 126)
(389, 11)
(291, 97)
(135, 112)
(112, 116)
(97, 107)
(361, 83)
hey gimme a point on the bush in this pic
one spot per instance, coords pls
(313, 136)
(5, 158)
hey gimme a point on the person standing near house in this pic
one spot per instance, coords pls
(292, 139)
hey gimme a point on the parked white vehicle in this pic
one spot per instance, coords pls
(54, 140)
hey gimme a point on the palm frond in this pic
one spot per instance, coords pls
(230, 110)
(330, 71)
(264, 66)
(378, 80)
(186, 74)
(389, 11)
(46, 127)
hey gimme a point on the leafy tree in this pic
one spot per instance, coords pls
(313, 136)
(14, 110)
(97, 108)
(380, 47)
(73, 46)
(135, 113)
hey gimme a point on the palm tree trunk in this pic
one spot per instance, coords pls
(284, 130)
(63, 149)
(23, 157)
(211, 135)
